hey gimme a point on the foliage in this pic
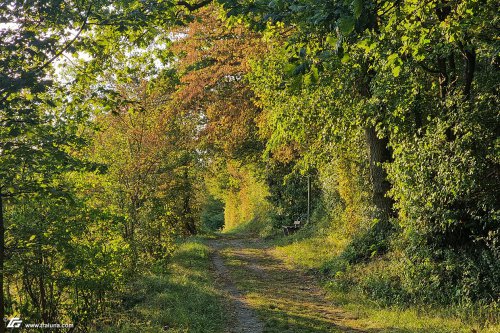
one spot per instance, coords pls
(179, 297)
(243, 192)
(212, 215)
(421, 80)
(213, 62)
(64, 258)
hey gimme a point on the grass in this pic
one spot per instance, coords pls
(311, 250)
(257, 227)
(277, 278)
(179, 297)
(372, 316)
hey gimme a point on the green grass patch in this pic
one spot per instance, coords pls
(311, 251)
(257, 227)
(178, 297)
(414, 319)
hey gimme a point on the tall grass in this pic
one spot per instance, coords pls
(176, 297)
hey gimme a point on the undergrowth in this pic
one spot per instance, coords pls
(176, 297)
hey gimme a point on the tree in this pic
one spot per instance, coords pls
(34, 36)
(213, 61)
(142, 147)
(322, 33)
(32, 157)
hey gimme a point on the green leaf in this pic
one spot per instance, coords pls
(346, 24)
(396, 70)
(392, 58)
(289, 68)
(314, 73)
(357, 7)
(332, 40)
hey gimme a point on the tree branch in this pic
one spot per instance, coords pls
(428, 69)
(193, 7)
(57, 54)
(65, 47)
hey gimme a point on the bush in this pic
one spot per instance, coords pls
(446, 276)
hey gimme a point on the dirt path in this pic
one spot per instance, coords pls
(244, 318)
(268, 296)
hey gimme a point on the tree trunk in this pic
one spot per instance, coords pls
(134, 221)
(2, 259)
(378, 148)
(379, 153)
(443, 77)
